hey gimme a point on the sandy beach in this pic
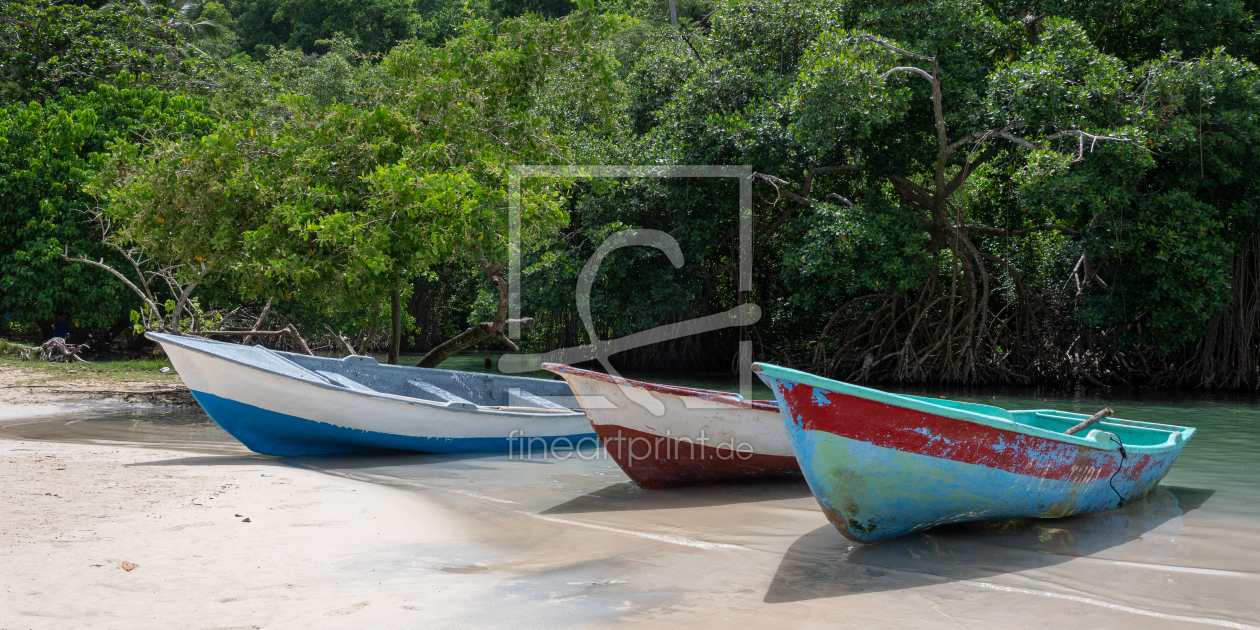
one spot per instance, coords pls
(91, 487)
(95, 536)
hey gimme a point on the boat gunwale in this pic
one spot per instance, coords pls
(953, 413)
(725, 398)
(421, 402)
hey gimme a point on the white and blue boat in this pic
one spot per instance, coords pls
(285, 404)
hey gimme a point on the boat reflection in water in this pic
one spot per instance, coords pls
(824, 564)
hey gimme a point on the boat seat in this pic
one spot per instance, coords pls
(348, 383)
(518, 397)
(272, 360)
(433, 392)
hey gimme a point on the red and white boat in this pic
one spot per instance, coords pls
(665, 436)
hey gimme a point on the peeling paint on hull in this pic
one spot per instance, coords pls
(701, 437)
(882, 465)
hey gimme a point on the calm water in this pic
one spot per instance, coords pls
(1186, 556)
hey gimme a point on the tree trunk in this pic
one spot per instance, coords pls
(297, 339)
(259, 321)
(373, 323)
(471, 337)
(341, 342)
(482, 331)
(446, 349)
(395, 330)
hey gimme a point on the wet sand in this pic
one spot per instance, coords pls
(406, 540)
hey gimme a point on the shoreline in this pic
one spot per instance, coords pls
(34, 386)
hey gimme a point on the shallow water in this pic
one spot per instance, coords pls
(564, 539)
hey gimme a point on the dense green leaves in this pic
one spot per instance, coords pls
(874, 247)
(335, 203)
(48, 154)
(47, 46)
(841, 95)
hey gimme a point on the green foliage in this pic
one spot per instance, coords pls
(1143, 30)
(1171, 270)
(839, 96)
(874, 247)
(48, 153)
(784, 85)
(334, 204)
(47, 46)
(352, 147)
(377, 25)
(1165, 248)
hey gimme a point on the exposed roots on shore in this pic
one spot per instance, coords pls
(55, 350)
(958, 330)
(955, 329)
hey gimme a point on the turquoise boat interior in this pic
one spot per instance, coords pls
(1131, 432)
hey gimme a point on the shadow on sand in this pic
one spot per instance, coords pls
(824, 564)
(253, 459)
(627, 496)
(340, 461)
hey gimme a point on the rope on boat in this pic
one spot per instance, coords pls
(1123, 456)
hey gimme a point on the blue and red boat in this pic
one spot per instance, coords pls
(884, 465)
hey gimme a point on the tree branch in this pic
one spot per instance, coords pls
(841, 198)
(814, 171)
(992, 231)
(984, 134)
(908, 189)
(341, 342)
(963, 174)
(1083, 136)
(913, 69)
(1017, 140)
(780, 185)
(873, 39)
(152, 306)
(259, 321)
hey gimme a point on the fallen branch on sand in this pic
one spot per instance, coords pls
(56, 350)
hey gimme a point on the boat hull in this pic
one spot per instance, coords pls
(701, 437)
(880, 470)
(278, 415)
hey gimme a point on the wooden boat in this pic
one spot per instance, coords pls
(279, 403)
(884, 465)
(664, 436)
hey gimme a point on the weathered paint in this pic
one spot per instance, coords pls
(883, 465)
(703, 436)
(282, 404)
